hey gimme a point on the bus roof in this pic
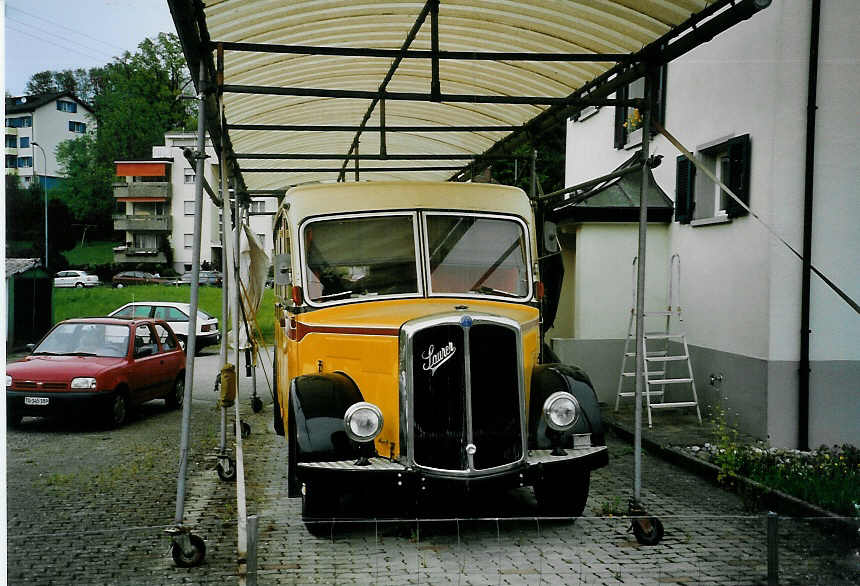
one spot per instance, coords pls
(334, 198)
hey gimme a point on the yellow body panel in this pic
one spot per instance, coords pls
(371, 359)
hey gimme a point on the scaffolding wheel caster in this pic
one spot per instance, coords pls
(648, 530)
(256, 404)
(192, 554)
(226, 469)
(245, 429)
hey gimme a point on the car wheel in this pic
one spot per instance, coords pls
(256, 404)
(176, 396)
(566, 497)
(117, 413)
(316, 510)
(79, 285)
(119, 285)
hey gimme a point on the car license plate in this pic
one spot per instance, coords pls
(35, 400)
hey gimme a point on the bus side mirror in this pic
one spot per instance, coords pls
(550, 238)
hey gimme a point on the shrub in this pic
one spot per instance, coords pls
(828, 477)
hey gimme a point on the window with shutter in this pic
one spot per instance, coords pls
(706, 202)
(628, 120)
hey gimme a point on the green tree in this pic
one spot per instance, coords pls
(25, 224)
(135, 103)
(41, 83)
(87, 188)
(137, 99)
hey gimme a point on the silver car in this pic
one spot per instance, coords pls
(176, 315)
(75, 279)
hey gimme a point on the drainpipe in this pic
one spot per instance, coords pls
(803, 390)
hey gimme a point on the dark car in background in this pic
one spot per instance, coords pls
(126, 278)
(213, 278)
(97, 366)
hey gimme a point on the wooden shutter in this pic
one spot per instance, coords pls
(739, 174)
(685, 181)
(620, 119)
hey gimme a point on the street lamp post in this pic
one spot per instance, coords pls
(45, 159)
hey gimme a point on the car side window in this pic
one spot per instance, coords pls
(170, 314)
(144, 342)
(124, 312)
(168, 342)
(142, 310)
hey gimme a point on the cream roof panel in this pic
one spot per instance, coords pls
(534, 26)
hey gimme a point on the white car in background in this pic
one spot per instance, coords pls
(75, 279)
(176, 315)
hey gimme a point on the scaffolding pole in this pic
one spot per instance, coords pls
(189, 550)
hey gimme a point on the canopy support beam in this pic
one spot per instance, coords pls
(433, 55)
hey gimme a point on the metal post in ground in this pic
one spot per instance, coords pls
(251, 576)
(242, 528)
(772, 549)
(188, 549)
(647, 530)
(226, 466)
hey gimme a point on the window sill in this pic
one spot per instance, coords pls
(711, 221)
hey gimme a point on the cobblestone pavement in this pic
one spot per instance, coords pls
(88, 506)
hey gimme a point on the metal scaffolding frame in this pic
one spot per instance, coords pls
(205, 58)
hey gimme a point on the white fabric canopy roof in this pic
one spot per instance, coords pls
(560, 27)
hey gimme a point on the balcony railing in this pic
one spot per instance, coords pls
(138, 255)
(153, 189)
(142, 222)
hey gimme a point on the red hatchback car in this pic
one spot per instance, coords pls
(100, 366)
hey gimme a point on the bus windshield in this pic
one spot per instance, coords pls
(354, 257)
(478, 255)
(348, 258)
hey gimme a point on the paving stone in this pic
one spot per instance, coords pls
(94, 505)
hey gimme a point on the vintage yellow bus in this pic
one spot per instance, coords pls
(407, 350)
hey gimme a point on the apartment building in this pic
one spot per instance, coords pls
(35, 126)
(156, 203)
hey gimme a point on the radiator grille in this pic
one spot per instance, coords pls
(439, 364)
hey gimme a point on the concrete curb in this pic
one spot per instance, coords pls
(774, 500)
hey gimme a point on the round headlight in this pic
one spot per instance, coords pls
(363, 422)
(561, 410)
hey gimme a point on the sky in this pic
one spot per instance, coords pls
(58, 34)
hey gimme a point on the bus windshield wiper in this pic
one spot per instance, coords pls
(490, 291)
(334, 295)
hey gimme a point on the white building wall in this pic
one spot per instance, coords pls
(50, 128)
(184, 192)
(836, 213)
(741, 286)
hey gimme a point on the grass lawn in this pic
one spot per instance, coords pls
(72, 302)
(92, 253)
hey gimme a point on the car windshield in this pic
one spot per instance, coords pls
(85, 339)
(475, 254)
(357, 257)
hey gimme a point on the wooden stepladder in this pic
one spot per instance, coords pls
(658, 357)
